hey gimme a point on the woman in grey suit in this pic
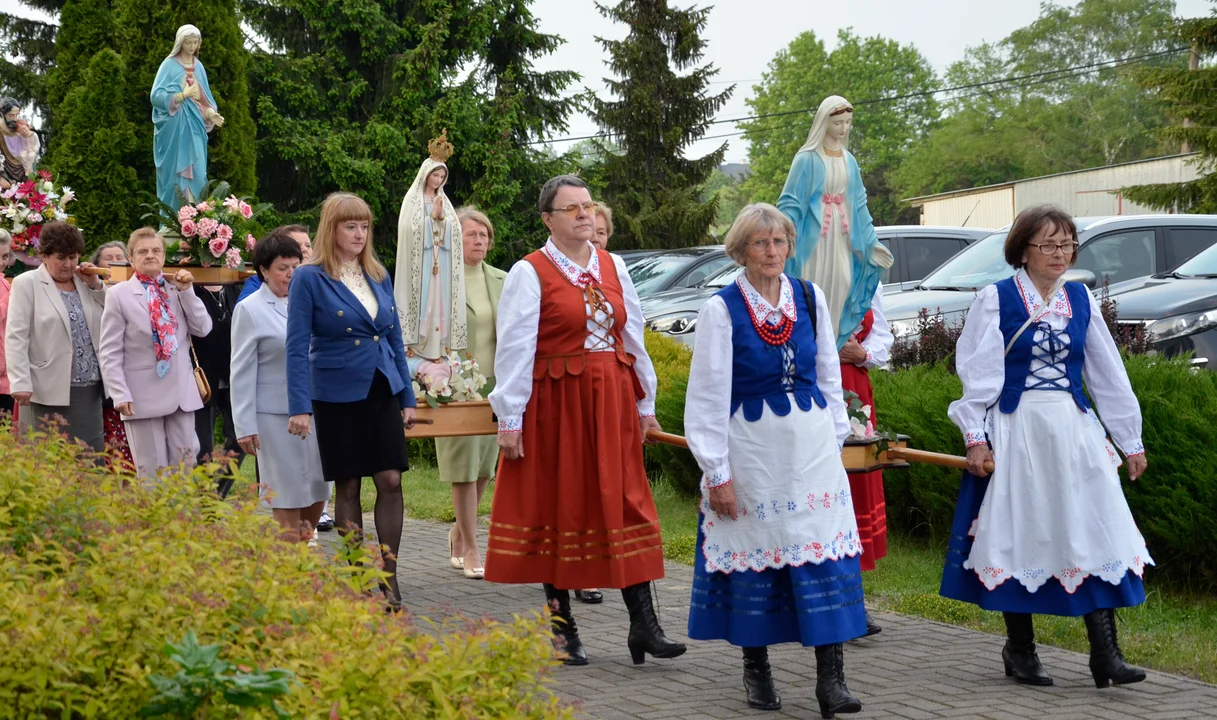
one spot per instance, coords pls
(469, 463)
(52, 340)
(289, 467)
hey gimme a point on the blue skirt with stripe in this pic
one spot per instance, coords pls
(809, 604)
(959, 583)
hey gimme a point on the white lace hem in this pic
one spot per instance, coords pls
(1070, 578)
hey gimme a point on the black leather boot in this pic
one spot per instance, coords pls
(758, 680)
(1107, 664)
(566, 633)
(871, 627)
(1019, 656)
(645, 634)
(831, 691)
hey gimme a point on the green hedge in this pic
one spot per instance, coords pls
(1175, 503)
(96, 576)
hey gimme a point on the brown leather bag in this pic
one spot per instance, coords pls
(200, 377)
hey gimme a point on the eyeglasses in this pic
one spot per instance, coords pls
(573, 208)
(1051, 248)
(779, 243)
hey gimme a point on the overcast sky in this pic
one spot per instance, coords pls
(744, 35)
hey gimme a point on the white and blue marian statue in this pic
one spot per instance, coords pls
(183, 112)
(836, 247)
(429, 283)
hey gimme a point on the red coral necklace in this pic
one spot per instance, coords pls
(773, 334)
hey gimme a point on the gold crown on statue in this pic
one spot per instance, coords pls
(440, 148)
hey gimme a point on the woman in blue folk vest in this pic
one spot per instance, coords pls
(778, 548)
(1049, 532)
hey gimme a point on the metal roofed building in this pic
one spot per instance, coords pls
(1094, 191)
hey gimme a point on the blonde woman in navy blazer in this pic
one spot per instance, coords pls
(346, 371)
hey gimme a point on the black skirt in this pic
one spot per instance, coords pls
(359, 439)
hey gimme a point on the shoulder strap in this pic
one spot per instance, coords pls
(1031, 316)
(809, 297)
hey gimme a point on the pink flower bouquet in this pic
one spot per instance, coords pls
(207, 230)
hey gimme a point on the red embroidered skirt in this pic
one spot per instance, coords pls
(867, 488)
(576, 510)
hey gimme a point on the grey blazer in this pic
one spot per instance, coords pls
(38, 338)
(259, 362)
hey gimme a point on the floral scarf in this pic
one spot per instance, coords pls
(164, 324)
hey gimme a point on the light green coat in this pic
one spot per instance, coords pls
(465, 459)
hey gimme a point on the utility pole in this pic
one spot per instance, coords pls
(1193, 64)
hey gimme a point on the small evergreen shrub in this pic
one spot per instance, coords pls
(96, 580)
(671, 361)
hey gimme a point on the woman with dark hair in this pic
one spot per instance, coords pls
(575, 398)
(52, 339)
(259, 383)
(299, 233)
(346, 369)
(1049, 531)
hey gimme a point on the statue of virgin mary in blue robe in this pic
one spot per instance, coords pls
(182, 117)
(836, 246)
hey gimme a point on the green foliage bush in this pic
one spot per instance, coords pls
(1175, 502)
(96, 579)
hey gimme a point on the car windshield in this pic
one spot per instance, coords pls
(1203, 264)
(725, 277)
(980, 265)
(653, 272)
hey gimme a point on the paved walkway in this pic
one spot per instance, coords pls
(914, 669)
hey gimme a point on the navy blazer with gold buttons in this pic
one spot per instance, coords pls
(334, 348)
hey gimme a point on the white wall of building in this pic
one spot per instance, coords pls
(1084, 193)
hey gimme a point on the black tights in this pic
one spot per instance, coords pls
(389, 513)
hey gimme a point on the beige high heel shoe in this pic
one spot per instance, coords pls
(475, 573)
(456, 562)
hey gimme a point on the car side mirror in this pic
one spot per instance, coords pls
(1085, 277)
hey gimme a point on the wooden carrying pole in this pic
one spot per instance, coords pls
(898, 453)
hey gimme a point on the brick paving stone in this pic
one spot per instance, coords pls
(915, 669)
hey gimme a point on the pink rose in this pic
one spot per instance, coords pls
(204, 206)
(208, 227)
(189, 229)
(224, 232)
(434, 375)
(217, 246)
(232, 203)
(186, 213)
(246, 211)
(250, 241)
(232, 258)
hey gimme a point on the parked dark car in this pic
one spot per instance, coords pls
(671, 269)
(916, 249)
(1177, 309)
(1112, 248)
(632, 256)
(920, 249)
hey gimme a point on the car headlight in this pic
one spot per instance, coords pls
(674, 324)
(1180, 325)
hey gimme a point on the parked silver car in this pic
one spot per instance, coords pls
(1113, 248)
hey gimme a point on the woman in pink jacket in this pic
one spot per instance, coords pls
(145, 356)
(6, 256)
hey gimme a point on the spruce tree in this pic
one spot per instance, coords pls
(655, 192)
(1190, 97)
(95, 158)
(85, 27)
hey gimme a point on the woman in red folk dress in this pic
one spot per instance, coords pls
(869, 347)
(575, 398)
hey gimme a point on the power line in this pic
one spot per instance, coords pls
(1042, 77)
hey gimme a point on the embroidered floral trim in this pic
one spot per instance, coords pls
(577, 276)
(511, 424)
(843, 545)
(870, 359)
(1060, 302)
(717, 479)
(972, 438)
(1137, 448)
(1071, 578)
(761, 308)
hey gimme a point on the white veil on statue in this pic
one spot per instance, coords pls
(819, 125)
(408, 277)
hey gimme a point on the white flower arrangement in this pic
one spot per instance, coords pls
(450, 379)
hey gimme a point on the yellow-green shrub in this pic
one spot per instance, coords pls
(671, 361)
(96, 578)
